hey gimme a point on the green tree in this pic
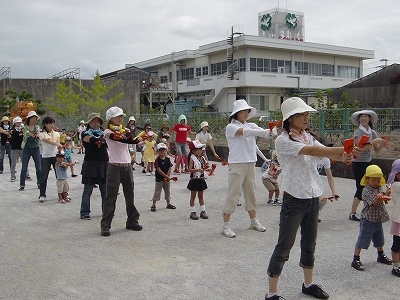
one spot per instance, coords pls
(65, 102)
(94, 99)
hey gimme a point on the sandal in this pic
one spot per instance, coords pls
(68, 199)
(153, 208)
(170, 206)
(61, 201)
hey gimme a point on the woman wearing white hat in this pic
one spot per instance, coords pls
(16, 140)
(301, 185)
(205, 138)
(81, 128)
(241, 137)
(5, 129)
(364, 119)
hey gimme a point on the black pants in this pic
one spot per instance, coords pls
(47, 162)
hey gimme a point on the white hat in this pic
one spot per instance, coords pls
(113, 112)
(32, 113)
(196, 145)
(204, 124)
(17, 119)
(371, 113)
(5, 118)
(161, 146)
(82, 122)
(240, 105)
(294, 105)
(132, 118)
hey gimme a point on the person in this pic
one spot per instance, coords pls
(181, 131)
(132, 148)
(364, 119)
(197, 183)
(81, 128)
(5, 147)
(394, 184)
(15, 144)
(94, 166)
(30, 145)
(270, 179)
(149, 153)
(301, 186)
(205, 138)
(68, 147)
(163, 134)
(63, 135)
(241, 137)
(119, 171)
(140, 146)
(373, 215)
(163, 167)
(61, 166)
(50, 144)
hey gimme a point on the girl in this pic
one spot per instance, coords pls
(270, 179)
(140, 147)
(301, 185)
(149, 152)
(50, 145)
(30, 144)
(197, 183)
(394, 183)
(205, 138)
(16, 141)
(119, 171)
(364, 119)
(68, 147)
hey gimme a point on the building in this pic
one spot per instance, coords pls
(263, 69)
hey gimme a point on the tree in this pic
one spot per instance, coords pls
(94, 98)
(65, 102)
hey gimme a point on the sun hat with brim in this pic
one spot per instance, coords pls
(196, 145)
(113, 112)
(373, 171)
(5, 118)
(294, 105)
(204, 124)
(164, 126)
(92, 116)
(32, 113)
(354, 117)
(240, 105)
(394, 171)
(161, 146)
(131, 118)
(17, 120)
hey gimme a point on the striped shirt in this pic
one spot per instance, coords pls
(370, 212)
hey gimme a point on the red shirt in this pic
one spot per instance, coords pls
(181, 132)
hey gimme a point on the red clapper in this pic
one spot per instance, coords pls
(348, 145)
(363, 141)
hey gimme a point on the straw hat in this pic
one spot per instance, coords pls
(240, 105)
(294, 105)
(373, 171)
(113, 112)
(371, 113)
(92, 116)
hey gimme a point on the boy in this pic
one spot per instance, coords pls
(163, 170)
(62, 181)
(373, 215)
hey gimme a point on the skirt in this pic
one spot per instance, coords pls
(94, 171)
(197, 184)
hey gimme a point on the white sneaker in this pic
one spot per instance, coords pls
(257, 226)
(228, 232)
(41, 199)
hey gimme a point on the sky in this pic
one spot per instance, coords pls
(39, 38)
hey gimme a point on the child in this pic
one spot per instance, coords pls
(197, 183)
(372, 216)
(205, 138)
(63, 135)
(394, 181)
(68, 152)
(140, 146)
(163, 170)
(270, 179)
(62, 181)
(149, 153)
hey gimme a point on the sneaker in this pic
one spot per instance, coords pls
(270, 201)
(203, 215)
(354, 217)
(194, 216)
(276, 202)
(144, 171)
(383, 259)
(274, 297)
(356, 264)
(41, 199)
(153, 208)
(21, 188)
(12, 179)
(176, 172)
(27, 177)
(257, 226)
(396, 272)
(228, 232)
(87, 217)
(74, 175)
(315, 290)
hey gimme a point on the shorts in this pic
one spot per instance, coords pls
(159, 187)
(370, 231)
(181, 149)
(270, 185)
(62, 186)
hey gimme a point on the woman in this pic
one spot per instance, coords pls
(241, 137)
(205, 138)
(94, 167)
(5, 130)
(50, 143)
(30, 144)
(301, 186)
(364, 119)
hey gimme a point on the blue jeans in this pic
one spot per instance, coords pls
(27, 153)
(6, 148)
(87, 192)
(370, 231)
(294, 213)
(47, 162)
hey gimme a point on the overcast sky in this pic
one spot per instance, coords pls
(39, 38)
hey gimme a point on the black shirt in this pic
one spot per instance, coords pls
(164, 164)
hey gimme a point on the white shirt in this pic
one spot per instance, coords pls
(323, 163)
(299, 175)
(47, 149)
(395, 187)
(203, 137)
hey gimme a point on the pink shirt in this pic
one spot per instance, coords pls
(117, 152)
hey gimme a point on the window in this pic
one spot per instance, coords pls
(205, 70)
(259, 102)
(187, 73)
(348, 72)
(163, 79)
(270, 65)
(198, 72)
(219, 68)
(314, 69)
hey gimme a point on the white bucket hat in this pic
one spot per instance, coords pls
(32, 113)
(161, 146)
(16, 120)
(204, 124)
(132, 118)
(113, 112)
(294, 105)
(371, 113)
(240, 105)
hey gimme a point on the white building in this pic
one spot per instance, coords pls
(263, 69)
